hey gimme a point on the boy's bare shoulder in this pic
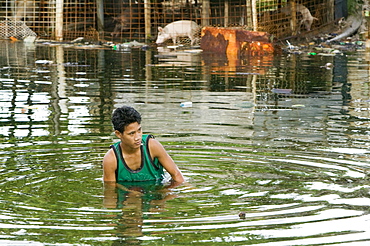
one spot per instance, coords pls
(109, 157)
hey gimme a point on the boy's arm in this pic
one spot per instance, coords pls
(157, 150)
(109, 167)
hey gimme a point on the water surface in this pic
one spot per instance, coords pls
(284, 139)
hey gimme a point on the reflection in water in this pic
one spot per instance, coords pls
(284, 139)
(137, 201)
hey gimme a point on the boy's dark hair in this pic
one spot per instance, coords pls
(124, 116)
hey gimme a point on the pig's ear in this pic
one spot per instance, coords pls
(160, 29)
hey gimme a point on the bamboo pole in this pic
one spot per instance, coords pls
(226, 16)
(246, 18)
(254, 15)
(205, 12)
(59, 20)
(100, 17)
(293, 9)
(147, 19)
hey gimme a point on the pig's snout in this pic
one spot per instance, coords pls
(161, 38)
(159, 41)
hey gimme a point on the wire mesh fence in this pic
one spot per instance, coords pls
(119, 20)
(37, 15)
(292, 18)
(16, 29)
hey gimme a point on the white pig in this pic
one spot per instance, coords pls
(174, 30)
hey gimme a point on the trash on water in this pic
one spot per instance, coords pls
(44, 62)
(327, 66)
(186, 104)
(290, 46)
(77, 40)
(282, 91)
(127, 46)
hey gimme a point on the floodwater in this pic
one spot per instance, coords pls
(284, 139)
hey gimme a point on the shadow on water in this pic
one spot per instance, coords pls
(285, 139)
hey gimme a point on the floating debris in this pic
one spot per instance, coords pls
(186, 104)
(129, 45)
(174, 46)
(45, 62)
(282, 91)
(242, 215)
(290, 46)
(327, 66)
(78, 40)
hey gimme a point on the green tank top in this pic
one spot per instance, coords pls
(149, 169)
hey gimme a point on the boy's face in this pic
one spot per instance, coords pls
(131, 136)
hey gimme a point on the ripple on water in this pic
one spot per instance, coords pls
(278, 142)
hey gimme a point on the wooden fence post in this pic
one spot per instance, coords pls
(293, 23)
(205, 12)
(59, 20)
(254, 15)
(226, 16)
(100, 17)
(147, 19)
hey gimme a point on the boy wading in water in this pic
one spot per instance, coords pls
(136, 157)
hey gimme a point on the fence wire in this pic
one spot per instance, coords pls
(138, 20)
